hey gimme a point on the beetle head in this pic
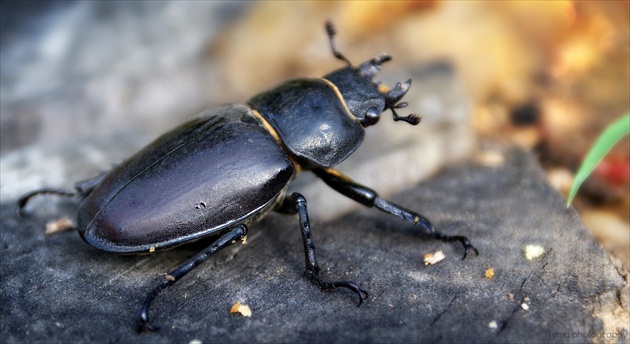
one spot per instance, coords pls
(365, 98)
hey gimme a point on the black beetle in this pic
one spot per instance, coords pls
(230, 165)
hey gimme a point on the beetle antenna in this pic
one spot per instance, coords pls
(412, 119)
(330, 30)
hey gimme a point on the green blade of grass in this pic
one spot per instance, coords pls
(604, 143)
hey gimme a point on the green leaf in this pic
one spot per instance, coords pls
(604, 143)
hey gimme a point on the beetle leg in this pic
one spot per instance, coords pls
(25, 198)
(369, 197)
(176, 274)
(82, 188)
(312, 268)
(85, 187)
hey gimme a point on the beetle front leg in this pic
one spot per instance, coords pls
(297, 204)
(369, 197)
(176, 274)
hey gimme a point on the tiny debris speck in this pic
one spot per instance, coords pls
(58, 226)
(493, 324)
(533, 251)
(433, 258)
(244, 310)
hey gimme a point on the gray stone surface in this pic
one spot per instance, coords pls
(134, 69)
(57, 289)
(104, 78)
(68, 67)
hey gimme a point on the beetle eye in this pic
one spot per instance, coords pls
(371, 117)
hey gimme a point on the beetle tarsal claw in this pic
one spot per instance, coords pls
(144, 325)
(363, 295)
(467, 246)
(464, 240)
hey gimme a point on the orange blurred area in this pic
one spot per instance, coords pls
(549, 76)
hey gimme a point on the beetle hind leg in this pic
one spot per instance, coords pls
(237, 233)
(82, 189)
(23, 201)
(298, 205)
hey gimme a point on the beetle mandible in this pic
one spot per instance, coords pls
(230, 165)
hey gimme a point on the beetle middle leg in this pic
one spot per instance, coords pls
(237, 233)
(370, 198)
(297, 204)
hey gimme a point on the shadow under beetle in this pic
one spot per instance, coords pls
(228, 166)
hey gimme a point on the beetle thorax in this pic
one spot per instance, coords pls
(312, 121)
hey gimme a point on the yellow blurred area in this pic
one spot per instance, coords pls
(548, 75)
(508, 53)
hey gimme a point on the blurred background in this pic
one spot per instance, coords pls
(547, 76)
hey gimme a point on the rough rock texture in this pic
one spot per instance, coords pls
(134, 69)
(57, 289)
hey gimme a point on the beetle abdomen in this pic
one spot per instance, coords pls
(212, 172)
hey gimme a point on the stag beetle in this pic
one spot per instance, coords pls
(230, 165)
